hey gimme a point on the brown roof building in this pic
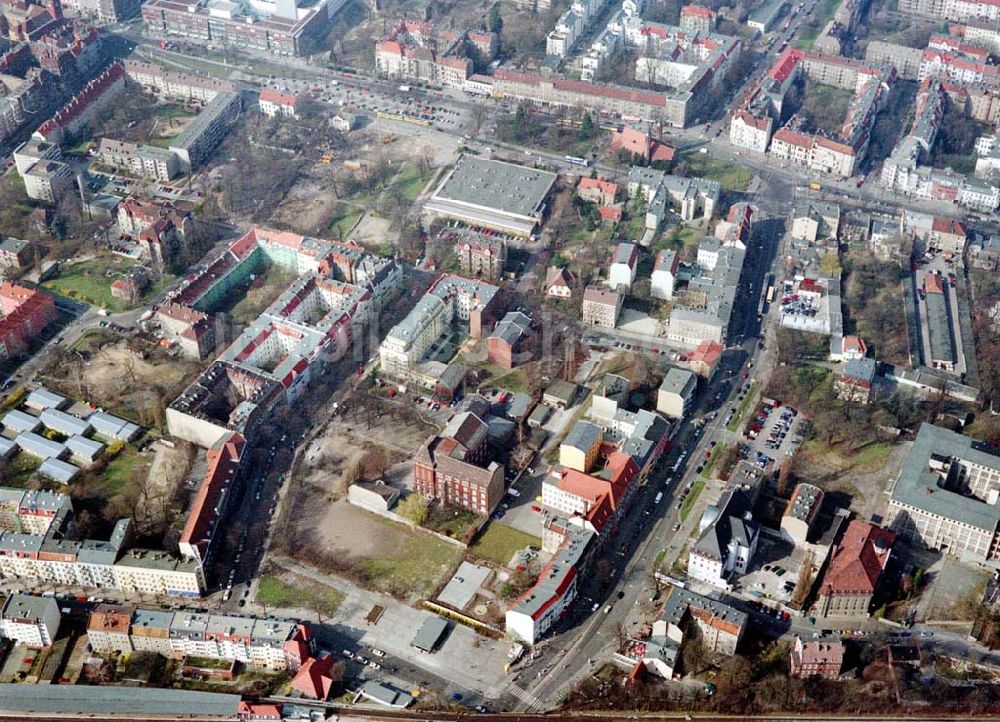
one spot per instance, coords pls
(453, 467)
(854, 571)
(823, 658)
(108, 629)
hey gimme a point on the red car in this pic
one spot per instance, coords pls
(535, 507)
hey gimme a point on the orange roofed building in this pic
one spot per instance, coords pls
(315, 679)
(854, 572)
(26, 311)
(642, 144)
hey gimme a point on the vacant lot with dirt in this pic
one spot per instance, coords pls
(136, 383)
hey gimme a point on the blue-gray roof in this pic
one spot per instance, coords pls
(36, 445)
(20, 421)
(83, 447)
(430, 633)
(861, 369)
(78, 700)
(919, 486)
(583, 435)
(679, 381)
(113, 427)
(58, 470)
(44, 399)
(64, 423)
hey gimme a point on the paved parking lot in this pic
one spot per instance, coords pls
(355, 96)
(778, 434)
(775, 571)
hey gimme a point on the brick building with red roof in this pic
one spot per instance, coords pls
(26, 311)
(854, 572)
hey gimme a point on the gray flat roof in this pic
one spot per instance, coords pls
(583, 435)
(497, 185)
(917, 484)
(678, 380)
(81, 700)
(430, 633)
(461, 588)
(939, 335)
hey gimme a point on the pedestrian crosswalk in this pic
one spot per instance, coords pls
(526, 697)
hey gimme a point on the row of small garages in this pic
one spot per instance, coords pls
(53, 453)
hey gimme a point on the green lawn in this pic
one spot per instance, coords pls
(750, 397)
(411, 181)
(274, 592)
(121, 469)
(171, 110)
(731, 176)
(414, 569)
(344, 220)
(498, 543)
(88, 281)
(19, 469)
(692, 497)
(821, 17)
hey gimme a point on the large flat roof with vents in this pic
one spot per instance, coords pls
(493, 194)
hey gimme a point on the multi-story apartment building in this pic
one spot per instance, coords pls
(854, 571)
(266, 643)
(483, 258)
(285, 27)
(960, 10)
(451, 299)
(747, 130)
(801, 512)
(719, 626)
(415, 50)
(200, 137)
(144, 571)
(274, 103)
(531, 616)
(708, 305)
(676, 392)
(143, 160)
(108, 629)
(456, 466)
(904, 59)
(30, 620)
(624, 263)
(15, 254)
(601, 306)
(946, 496)
(664, 274)
(74, 116)
(822, 658)
(184, 87)
(26, 312)
(727, 541)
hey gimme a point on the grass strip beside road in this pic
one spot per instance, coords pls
(735, 423)
(692, 497)
(498, 543)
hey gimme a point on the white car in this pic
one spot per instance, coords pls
(514, 492)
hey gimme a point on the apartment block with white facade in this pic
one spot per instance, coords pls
(30, 620)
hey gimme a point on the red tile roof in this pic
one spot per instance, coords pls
(313, 680)
(224, 460)
(859, 560)
(949, 225)
(269, 95)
